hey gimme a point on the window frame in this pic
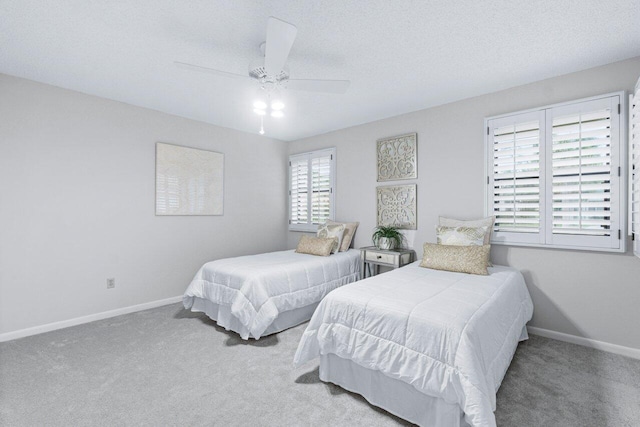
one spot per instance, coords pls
(545, 238)
(309, 226)
(634, 169)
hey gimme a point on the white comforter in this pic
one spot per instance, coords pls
(450, 335)
(259, 287)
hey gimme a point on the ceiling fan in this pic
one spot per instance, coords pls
(271, 72)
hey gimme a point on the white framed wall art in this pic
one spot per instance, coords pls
(189, 181)
(397, 206)
(397, 157)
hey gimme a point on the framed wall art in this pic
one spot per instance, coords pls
(397, 158)
(189, 181)
(397, 206)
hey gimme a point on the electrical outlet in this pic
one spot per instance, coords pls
(111, 283)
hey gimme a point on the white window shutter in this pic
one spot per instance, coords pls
(516, 198)
(322, 189)
(634, 173)
(299, 190)
(554, 176)
(583, 181)
(311, 189)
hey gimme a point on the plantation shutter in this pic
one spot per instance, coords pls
(321, 187)
(299, 191)
(634, 173)
(583, 180)
(516, 198)
(554, 176)
(311, 194)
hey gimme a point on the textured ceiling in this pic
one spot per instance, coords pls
(400, 56)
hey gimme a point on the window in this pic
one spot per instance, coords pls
(311, 189)
(555, 176)
(634, 173)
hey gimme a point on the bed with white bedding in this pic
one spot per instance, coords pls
(258, 295)
(429, 346)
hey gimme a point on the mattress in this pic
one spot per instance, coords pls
(252, 291)
(449, 335)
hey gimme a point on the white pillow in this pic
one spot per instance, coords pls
(484, 222)
(461, 236)
(349, 231)
(332, 230)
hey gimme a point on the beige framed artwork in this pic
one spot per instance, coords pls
(189, 181)
(397, 157)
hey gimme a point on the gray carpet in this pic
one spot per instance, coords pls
(169, 367)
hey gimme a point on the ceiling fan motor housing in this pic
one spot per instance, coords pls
(268, 82)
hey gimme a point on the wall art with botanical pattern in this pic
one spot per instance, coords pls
(397, 206)
(397, 158)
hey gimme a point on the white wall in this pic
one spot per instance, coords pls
(591, 295)
(77, 194)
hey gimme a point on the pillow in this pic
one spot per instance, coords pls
(332, 230)
(315, 245)
(461, 236)
(460, 259)
(349, 231)
(485, 222)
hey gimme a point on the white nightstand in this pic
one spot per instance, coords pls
(396, 258)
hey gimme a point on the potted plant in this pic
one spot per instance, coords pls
(387, 237)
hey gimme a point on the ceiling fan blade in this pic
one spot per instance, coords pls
(209, 70)
(328, 86)
(280, 38)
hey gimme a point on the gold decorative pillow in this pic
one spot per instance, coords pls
(461, 236)
(315, 245)
(349, 231)
(332, 230)
(460, 259)
(484, 222)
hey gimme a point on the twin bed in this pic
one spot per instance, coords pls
(258, 295)
(429, 346)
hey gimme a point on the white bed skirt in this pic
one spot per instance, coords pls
(394, 396)
(222, 315)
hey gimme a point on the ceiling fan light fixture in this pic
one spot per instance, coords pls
(277, 105)
(277, 113)
(260, 105)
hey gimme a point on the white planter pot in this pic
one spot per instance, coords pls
(386, 243)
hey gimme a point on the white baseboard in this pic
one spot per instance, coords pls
(21, 333)
(599, 345)
(8, 336)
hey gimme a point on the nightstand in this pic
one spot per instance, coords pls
(372, 256)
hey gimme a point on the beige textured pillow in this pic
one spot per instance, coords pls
(349, 231)
(485, 222)
(460, 259)
(315, 245)
(332, 230)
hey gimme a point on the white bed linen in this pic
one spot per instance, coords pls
(449, 335)
(257, 288)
